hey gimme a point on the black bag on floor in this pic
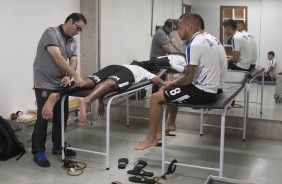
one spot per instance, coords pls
(10, 146)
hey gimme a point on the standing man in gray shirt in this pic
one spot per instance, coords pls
(160, 44)
(54, 66)
(162, 39)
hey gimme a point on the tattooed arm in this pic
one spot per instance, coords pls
(184, 80)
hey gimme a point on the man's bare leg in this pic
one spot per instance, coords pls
(99, 91)
(54, 97)
(49, 105)
(82, 112)
(170, 123)
(155, 115)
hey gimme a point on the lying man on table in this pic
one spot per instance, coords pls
(198, 85)
(109, 79)
(176, 61)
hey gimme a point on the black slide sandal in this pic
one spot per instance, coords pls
(122, 162)
(141, 179)
(169, 134)
(140, 172)
(140, 164)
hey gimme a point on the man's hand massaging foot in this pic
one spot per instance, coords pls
(49, 105)
(145, 144)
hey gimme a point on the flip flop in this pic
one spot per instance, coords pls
(140, 164)
(141, 179)
(159, 144)
(236, 106)
(116, 182)
(169, 134)
(122, 162)
(140, 172)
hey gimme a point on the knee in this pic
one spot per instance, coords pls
(111, 84)
(158, 96)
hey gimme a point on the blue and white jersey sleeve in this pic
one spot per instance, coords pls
(202, 53)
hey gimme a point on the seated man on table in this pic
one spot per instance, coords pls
(106, 80)
(198, 85)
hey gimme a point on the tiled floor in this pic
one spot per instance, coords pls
(257, 161)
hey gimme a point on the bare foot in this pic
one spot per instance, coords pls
(159, 136)
(82, 114)
(49, 105)
(170, 128)
(145, 144)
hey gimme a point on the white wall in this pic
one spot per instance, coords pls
(22, 24)
(126, 28)
(271, 31)
(263, 17)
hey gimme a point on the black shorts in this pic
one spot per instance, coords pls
(232, 66)
(122, 75)
(187, 94)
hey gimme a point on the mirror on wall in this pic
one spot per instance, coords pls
(261, 23)
(214, 14)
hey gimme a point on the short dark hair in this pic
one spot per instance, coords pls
(76, 17)
(168, 23)
(230, 23)
(194, 18)
(271, 53)
(201, 21)
(184, 15)
(240, 22)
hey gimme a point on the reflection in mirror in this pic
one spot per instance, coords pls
(262, 19)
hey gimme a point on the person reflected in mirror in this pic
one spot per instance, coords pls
(269, 74)
(162, 38)
(175, 62)
(242, 53)
(241, 27)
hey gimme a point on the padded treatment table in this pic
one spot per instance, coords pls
(222, 101)
(231, 78)
(111, 96)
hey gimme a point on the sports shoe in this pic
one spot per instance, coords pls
(58, 151)
(40, 159)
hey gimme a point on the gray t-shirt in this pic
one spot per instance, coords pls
(46, 73)
(160, 38)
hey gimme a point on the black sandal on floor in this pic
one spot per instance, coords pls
(140, 164)
(122, 162)
(140, 172)
(141, 179)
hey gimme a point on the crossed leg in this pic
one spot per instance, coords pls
(54, 97)
(99, 91)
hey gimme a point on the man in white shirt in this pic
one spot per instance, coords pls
(241, 27)
(199, 84)
(272, 63)
(242, 52)
(170, 124)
